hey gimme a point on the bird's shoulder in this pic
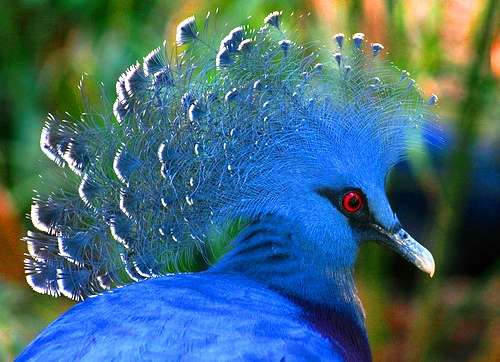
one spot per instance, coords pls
(202, 316)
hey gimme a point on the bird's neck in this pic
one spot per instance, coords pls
(264, 252)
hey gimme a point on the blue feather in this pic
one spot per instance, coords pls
(254, 130)
(127, 328)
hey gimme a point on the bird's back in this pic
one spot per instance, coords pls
(203, 316)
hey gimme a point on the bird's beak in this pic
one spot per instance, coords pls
(402, 243)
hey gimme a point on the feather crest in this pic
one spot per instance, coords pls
(208, 139)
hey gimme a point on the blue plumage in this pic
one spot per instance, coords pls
(272, 152)
(194, 317)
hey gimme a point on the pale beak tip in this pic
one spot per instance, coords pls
(428, 264)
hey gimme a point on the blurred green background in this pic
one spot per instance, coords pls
(449, 197)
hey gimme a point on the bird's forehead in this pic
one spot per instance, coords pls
(354, 142)
(355, 161)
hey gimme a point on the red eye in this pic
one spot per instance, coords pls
(353, 201)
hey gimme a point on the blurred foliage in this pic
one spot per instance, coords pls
(452, 49)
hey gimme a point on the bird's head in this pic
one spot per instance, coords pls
(317, 144)
(328, 178)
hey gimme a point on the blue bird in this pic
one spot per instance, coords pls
(256, 161)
